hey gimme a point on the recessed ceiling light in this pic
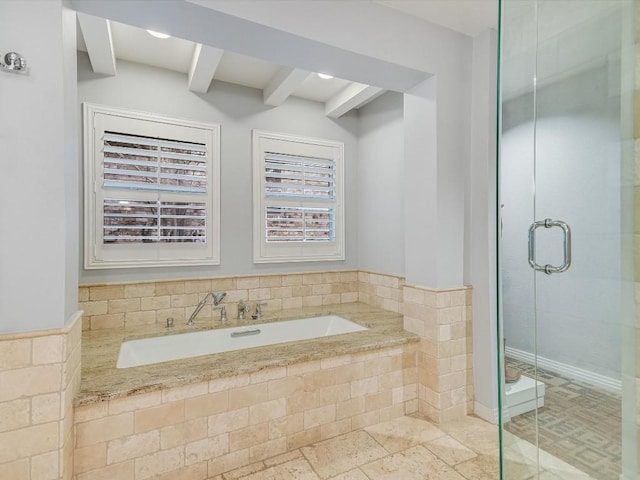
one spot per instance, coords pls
(325, 76)
(158, 34)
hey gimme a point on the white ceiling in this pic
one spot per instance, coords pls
(470, 17)
(136, 45)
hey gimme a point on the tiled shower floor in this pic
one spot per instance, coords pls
(409, 448)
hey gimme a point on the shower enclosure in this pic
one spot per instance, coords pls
(566, 248)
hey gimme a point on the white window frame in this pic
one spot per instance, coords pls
(274, 252)
(97, 254)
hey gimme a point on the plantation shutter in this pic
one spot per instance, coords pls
(299, 178)
(152, 190)
(298, 211)
(132, 162)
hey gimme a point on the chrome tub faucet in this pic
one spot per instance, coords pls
(217, 298)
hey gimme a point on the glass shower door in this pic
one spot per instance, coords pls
(566, 256)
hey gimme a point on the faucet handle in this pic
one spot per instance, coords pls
(259, 307)
(243, 308)
(223, 313)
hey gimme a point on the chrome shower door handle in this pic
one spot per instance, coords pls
(548, 223)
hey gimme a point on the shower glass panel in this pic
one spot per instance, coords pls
(566, 194)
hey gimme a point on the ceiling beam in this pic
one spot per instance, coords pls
(283, 84)
(203, 67)
(353, 96)
(97, 36)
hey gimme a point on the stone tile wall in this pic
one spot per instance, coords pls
(201, 430)
(39, 378)
(380, 290)
(442, 319)
(117, 305)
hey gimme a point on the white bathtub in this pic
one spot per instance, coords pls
(146, 351)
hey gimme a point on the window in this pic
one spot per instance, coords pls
(152, 195)
(298, 191)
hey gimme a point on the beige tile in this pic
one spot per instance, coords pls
(30, 381)
(15, 414)
(134, 402)
(124, 305)
(268, 374)
(92, 411)
(104, 429)
(483, 467)
(206, 449)
(298, 469)
(99, 322)
(155, 303)
(186, 391)
(474, 433)
(230, 461)
(158, 463)
(140, 290)
(197, 286)
(18, 470)
(334, 429)
(121, 471)
(350, 408)
(271, 281)
(403, 433)
(412, 464)
(248, 436)
(284, 426)
(192, 472)
(228, 421)
(169, 288)
(28, 441)
(450, 450)
(48, 349)
(283, 458)
(15, 354)
(106, 292)
(45, 466)
(133, 446)
(206, 405)
(319, 416)
(300, 439)
(343, 453)
(266, 411)
(221, 384)
(186, 432)
(89, 458)
(244, 471)
(249, 395)
(160, 416)
(268, 449)
(45, 408)
(351, 475)
(285, 387)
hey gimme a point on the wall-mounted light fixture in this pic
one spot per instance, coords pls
(14, 63)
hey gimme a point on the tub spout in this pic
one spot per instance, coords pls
(217, 298)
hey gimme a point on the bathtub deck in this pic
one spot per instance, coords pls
(102, 381)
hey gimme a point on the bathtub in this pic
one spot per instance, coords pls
(147, 351)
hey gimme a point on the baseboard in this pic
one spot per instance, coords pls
(490, 414)
(586, 376)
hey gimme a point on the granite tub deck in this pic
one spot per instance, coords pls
(101, 381)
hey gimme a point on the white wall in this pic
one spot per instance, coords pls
(380, 185)
(37, 187)
(480, 258)
(369, 43)
(573, 317)
(239, 110)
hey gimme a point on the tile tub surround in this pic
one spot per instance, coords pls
(442, 319)
(39, 378)
(144, 303)
(196, 418)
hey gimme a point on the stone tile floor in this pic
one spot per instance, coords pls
(411, 448)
